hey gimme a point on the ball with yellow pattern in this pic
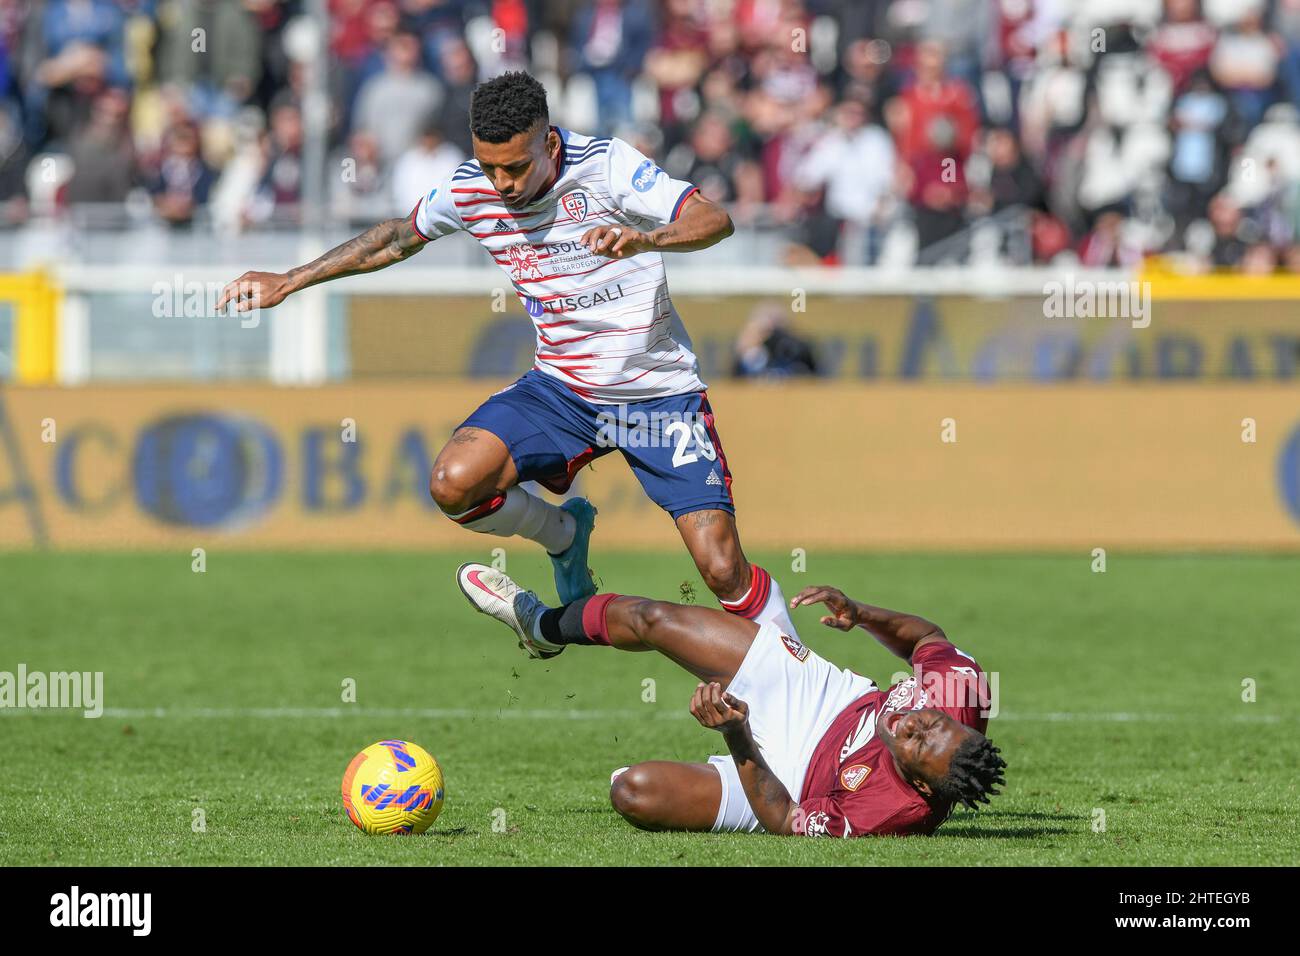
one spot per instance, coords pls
(393, 787)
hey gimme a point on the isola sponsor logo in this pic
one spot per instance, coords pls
(575, 303)
(559, 248)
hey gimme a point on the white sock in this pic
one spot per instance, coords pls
(519, 513)
(763, 603)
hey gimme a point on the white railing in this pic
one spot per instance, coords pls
(406, 279)
(293, 343)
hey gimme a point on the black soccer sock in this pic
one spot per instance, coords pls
(563, 625)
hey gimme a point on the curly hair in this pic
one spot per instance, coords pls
(974, 771)
(507, 105)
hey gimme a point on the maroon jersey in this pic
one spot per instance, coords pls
(852, 787)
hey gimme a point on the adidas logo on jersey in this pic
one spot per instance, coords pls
(713, 478)
(501, 226)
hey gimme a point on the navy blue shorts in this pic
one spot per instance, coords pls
(670, 443)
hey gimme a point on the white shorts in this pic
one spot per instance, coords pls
(793, 696)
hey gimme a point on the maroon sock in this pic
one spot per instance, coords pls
(582, 622)
(593, 618)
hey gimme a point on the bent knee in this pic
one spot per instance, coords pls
(724, 577)
(453, 486)
(634, 794)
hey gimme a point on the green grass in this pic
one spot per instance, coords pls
(1193, 776)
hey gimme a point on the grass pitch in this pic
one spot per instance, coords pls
(1120, 694)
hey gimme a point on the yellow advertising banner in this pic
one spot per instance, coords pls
(1071, 333)
(832, 465)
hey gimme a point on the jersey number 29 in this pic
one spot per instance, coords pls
(684, 433)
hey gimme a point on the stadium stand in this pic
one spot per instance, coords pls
(849, 132)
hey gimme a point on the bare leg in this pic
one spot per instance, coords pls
(475, 483)
(472, 467)
(664, 795)
(714, 543)
(709, 643)
(742, 588)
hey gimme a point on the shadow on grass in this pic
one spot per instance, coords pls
(448, 832)
(973, 825)
(1000, 833)
(1019, 815)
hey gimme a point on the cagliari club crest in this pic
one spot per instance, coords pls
(575, 204)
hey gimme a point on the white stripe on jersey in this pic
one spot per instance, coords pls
(604, 326)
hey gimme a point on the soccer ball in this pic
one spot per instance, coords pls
(393, 787)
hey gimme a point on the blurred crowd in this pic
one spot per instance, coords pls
(862, 131)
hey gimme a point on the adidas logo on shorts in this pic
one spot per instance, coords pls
(713, 478)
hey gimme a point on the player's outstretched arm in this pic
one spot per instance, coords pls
(701, 223)
(901, 633)
(768, 798)
(382, 245)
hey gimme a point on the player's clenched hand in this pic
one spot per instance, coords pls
(616, 242)
(842, 616)
(255, 290)
(713, 707)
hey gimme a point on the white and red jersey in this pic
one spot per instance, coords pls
(851, 787)
(604, 326)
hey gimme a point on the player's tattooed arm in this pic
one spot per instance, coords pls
(379, 246)
(382, 245)
(767, 795)
(900, 633)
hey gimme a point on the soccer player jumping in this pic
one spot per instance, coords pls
(814, 749)
(579, 225)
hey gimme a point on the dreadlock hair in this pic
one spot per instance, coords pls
(974, 771)
(507, 105)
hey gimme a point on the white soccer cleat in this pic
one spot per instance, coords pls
(496, 595)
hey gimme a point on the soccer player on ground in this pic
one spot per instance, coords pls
(579, 225)
(814, 749)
